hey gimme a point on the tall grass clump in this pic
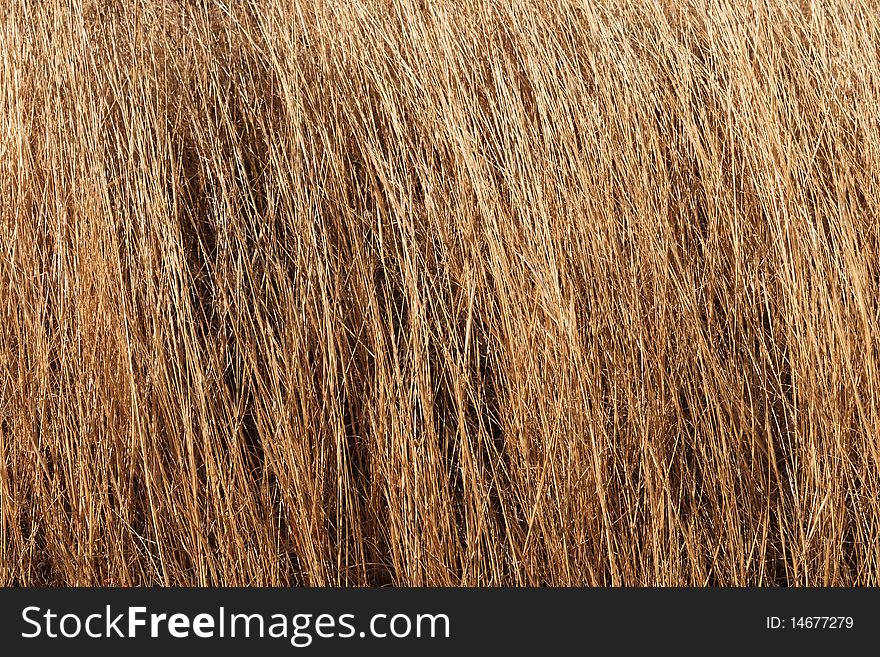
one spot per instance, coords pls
(520, 292)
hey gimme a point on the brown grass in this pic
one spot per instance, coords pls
(361, 292)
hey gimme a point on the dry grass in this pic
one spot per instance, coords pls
(361, 292)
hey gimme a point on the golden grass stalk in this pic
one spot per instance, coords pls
(518, 292)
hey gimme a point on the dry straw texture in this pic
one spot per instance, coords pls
(368, 292)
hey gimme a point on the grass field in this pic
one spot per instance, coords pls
(441, 292)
